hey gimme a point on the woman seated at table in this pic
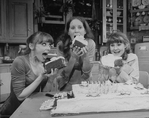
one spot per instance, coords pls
(28, 73)
(127, 68)
(78, 59)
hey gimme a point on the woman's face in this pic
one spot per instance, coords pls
(76, 28)
(41, 51)
(117, 49)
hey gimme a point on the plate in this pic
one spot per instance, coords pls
(146, 19)
(7, 61)
(48, 104)
(145, 2)
(139, 19)
(136, 3)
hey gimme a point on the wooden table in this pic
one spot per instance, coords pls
(30, 109)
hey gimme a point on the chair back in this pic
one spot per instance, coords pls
(103, 50)
(98, 73)
(144, 78)
(142, 51)
(95, 71)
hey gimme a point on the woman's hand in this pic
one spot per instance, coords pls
(84, 52)
(112, 74)
(50, 76)
(128, 69)
(76, 52)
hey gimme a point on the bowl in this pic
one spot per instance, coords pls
(119, 13)
(7, 61)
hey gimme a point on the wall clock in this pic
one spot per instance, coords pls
(145, 2)
(136, 3)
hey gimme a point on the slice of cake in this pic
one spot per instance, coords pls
(109, 60)
(55, 62)
(79, 41)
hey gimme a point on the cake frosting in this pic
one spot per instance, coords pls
(79, 41)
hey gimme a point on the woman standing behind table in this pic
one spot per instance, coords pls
(119, 45)
(78, 60)
(27, 72)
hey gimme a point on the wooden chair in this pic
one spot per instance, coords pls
(94, 71)
(97, 72)
(144, 78)
(103, 50)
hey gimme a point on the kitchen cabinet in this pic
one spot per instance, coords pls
(5, 79)
(5, 68)
(114, 17)
(16, 23)
(2, 20)
(20, 20)
(138, 18)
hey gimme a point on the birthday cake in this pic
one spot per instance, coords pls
(103, 97)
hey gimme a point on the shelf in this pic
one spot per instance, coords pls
(120, 9)
(111, 24)
(139, 10)
(54, 16)
(134, 28)
(120, 24)
(52, 21)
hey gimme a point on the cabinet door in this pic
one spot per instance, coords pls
(21, 20)
(114, 17)
(5, 79)
(2, 20)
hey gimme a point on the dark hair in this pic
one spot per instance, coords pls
(119, 37)
(38, 37)
(67, 41)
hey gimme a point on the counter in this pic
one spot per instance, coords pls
(5, 67)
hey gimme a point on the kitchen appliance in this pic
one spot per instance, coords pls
(22, 49)
(142, 51)
(145, 38)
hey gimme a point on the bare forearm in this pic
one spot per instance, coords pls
(70, 65)
(86, 65)
(29, 89)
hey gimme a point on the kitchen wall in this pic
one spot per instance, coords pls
(138, 35)
(10, 50)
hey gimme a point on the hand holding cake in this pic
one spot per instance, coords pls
(55, 63)
(80, 44)
(79, 41)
